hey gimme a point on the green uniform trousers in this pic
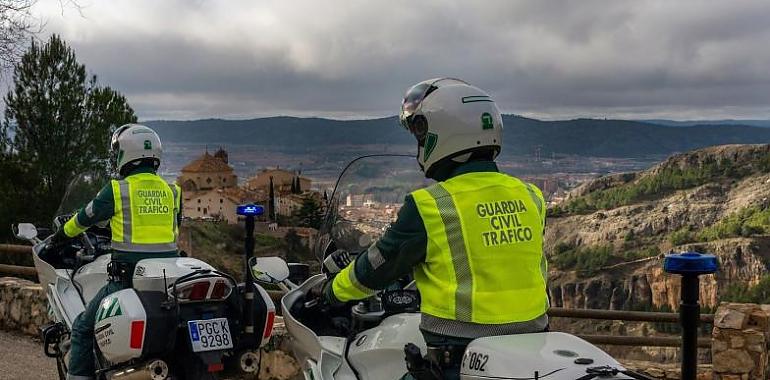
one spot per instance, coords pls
(81, 364)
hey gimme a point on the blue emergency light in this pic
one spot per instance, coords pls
(690, 263)
(250, 210)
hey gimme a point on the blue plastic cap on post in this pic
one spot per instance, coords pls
(250, 210)
(690, 263)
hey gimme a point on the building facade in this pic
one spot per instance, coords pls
(210, 189)
(282, 181)
(207, 172)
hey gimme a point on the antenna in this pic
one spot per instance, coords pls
(165, 284)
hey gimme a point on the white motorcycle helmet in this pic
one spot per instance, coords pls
(133, 144)
(451, 120)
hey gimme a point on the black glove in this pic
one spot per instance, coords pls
(327, 293)
(322, 295)
(337, 261)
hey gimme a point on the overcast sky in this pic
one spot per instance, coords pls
(186, 59)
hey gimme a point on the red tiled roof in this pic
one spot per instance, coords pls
(207, 164)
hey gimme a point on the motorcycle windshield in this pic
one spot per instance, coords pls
(366, 199)
(81, 190)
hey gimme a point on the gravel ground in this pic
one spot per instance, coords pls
(22, 358)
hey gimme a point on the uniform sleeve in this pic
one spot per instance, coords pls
(99, 209)
(401, 248)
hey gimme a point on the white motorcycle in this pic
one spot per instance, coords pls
(180, 318)
(376, 338)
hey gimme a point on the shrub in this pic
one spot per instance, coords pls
(655, 186)
(637, 254)
(681, 236)
(749, 221)
(586, 260)
(759, 293)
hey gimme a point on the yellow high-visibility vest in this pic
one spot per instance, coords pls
(484, 261)
(145, 218)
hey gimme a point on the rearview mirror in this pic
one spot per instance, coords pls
(269, 269)
(26, 231)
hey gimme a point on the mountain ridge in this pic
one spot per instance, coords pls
(725, 122)
(583, 137)
(712, 200)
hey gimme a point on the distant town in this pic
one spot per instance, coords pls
(215, 182)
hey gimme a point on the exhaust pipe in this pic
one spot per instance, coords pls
(690, 266)
(249, 361)
(152, 370)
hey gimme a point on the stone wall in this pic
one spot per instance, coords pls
(665, 371)
(23, 307)
(740, 342)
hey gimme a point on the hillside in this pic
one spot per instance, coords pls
(586, 137)
(689, 123)
(604, 241)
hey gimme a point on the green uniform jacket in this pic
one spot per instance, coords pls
(402, 247)
(102, 208)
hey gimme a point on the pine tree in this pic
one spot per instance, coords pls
(310, 213)
(57, 124)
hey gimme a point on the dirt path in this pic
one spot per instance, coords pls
(22, 358)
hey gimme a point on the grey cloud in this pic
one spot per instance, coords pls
(342, 58)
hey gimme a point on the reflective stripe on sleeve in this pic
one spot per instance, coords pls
(90, 209)
(374, 256)
(346, 286)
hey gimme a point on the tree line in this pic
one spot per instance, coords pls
(57, 124)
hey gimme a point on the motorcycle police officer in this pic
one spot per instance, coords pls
(473, 240)
(143, 211)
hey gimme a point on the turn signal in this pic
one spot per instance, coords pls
(137, 334)
(269, 324)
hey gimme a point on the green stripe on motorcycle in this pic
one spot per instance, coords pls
(110, 309)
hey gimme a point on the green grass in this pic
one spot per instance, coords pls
(221, 245)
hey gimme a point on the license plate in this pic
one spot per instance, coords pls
(210, 334)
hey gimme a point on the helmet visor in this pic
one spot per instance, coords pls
(413, 100)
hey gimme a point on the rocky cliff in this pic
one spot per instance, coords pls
(739, 180)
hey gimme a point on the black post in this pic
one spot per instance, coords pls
(249, 279)
(689, 315)
(690, 265)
